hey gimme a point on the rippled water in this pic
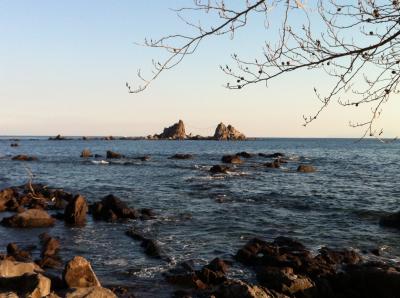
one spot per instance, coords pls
(200, 216)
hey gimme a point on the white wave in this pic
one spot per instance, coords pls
(100, 162)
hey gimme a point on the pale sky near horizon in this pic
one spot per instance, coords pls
(64, 64)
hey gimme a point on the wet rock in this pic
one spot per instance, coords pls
(49, 252)
(75, 211)
(234, 159)
(219, 169)
(98, 155)
(152, 248)
(111, 154)
(90, 292)
(6, 196)
(32, 218)
(78, 273)
(283, 280)
(143, 158)
(273, 165)
(225, 133)
(273, 155)
(27, 285)
(174, 132)
(391, 220)
(182, 156)
(86, 153)
(147, 214)
(245, 154)
(306, 169)
(112, 208)
(17, 254)
(23, 157)
(240, 289)
(135, 234)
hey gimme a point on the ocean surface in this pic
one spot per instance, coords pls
(200, 216)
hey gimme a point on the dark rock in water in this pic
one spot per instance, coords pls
(78, 273)
(274, 165)
(23, 157)
(306, 169)
(111, 154)
(245, 154)
(49, 252)
(174, 132)
(219, 169)
(14, 145)
(273, 155)
(134, 234)
(143, 158)
(57, 138)
(234, 159)
(391, 220)
(32, 218)
(112, 208)
(86, 153)
(98, 155)
(226, 133)
(17, 254)
(75, 211)
(152, 248)
(181, 156)
(147, 214)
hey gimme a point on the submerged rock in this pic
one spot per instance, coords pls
(391, 220)
(75, 211)
(245, 154)
(23, 157)
(225, 133)
(219, 169)
(32, 218)
(234, 159)
(174, 132)
(181, 156)
(273, 155)
(111, 208)
(306, 169)
(57, 138)
(111, 154)
(78, 273)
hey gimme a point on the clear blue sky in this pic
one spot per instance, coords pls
(64, 64)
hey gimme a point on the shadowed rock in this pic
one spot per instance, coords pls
(75, 211)
(32, 218)
(111, 154)
(181, 156)
(391, 220)
(174, 132)
(219, 169)
(234, 159)
(111, 208)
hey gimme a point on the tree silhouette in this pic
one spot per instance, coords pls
(355, 43)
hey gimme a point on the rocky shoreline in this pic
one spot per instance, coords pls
(283, 267)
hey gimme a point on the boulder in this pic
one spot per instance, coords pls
(175, 132)
(78, 273)
(17, 254)
(111, 154)
(86, 153)
(234, 159)
(32, 218)
(75, 211)
(181, 156)
(240, 289)
(26, 285)
(225, 133)
(391, 220)
(306, 169)
(6, 195)
(49, 252)
(219, 169)
(11, 269)
(90, 292)
(111, 208)
(23, 157)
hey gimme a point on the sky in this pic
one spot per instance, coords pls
(64, 65)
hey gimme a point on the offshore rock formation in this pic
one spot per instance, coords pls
(174, 132)
(226, 133)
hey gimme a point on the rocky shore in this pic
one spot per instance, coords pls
(281, 268)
